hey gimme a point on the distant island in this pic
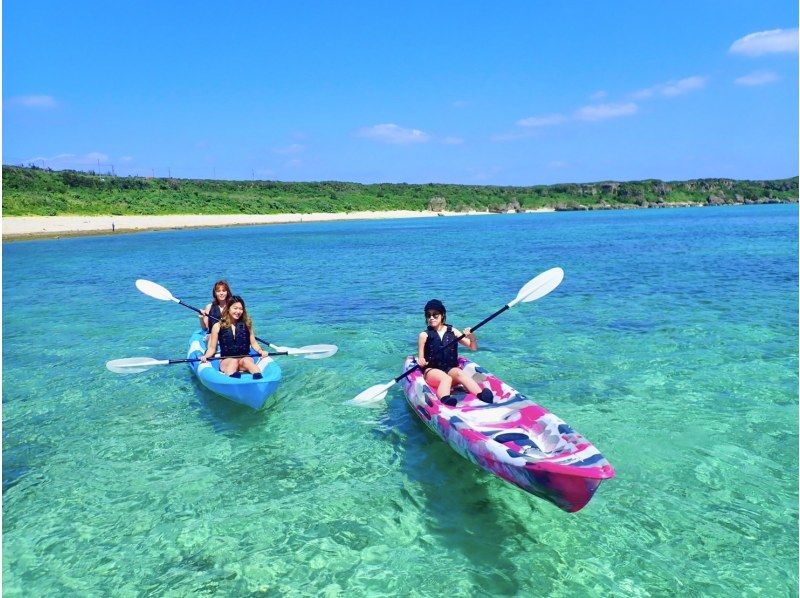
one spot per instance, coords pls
(31, 191)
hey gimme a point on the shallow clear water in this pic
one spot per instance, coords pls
(671, 345)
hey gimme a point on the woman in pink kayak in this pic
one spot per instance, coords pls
(437, 355)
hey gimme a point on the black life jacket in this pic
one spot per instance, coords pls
(214, 312)
(435, 355)
(230, 345)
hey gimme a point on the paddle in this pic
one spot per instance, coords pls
(156, 291)
(135, 365)
(536, 288)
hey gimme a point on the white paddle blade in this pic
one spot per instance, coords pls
(539, 286)
(372, 396)
(134, 365)
(315, 351)
(156, 291)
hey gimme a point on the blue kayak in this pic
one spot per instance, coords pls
(244, 390)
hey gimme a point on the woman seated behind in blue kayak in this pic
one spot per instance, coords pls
(437, 355)
(220, 298)
(235, 335)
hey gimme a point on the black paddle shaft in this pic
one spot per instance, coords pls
(210, 317)
(458, 338)
(194, 359)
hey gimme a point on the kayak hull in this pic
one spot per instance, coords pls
(244, 390)
(513, 438)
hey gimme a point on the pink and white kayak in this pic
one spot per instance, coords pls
(513, 438)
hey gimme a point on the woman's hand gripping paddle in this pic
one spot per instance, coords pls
(156, 291)
(534, 289)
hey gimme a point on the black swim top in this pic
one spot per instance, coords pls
(238, 345)
(436, 354)
(214, 312)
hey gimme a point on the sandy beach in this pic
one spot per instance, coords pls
(22, 227)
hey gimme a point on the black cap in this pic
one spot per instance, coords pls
(435, 305)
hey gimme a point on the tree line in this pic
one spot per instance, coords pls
(31, 191)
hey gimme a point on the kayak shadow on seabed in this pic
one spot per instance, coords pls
(222, 415)
(455, 498)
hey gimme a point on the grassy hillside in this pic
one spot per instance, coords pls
(37, 192)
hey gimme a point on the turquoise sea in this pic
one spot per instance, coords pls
(671, 345)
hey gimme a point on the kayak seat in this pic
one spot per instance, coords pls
(518, 438)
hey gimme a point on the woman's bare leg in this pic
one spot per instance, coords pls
(229, 366)
(439, 381)
(247, 364)
(459, 376)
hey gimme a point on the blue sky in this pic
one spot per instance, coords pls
(514, 93)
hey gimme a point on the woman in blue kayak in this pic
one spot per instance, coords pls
(235, 335)
(220, 297)
(437, 355)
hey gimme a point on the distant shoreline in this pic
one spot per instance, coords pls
(44, 227)
(20, 228)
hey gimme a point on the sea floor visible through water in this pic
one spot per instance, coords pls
(671, 345)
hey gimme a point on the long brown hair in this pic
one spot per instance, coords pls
(224, 284)
(227, 320)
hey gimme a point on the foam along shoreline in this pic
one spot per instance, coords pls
(26, 227)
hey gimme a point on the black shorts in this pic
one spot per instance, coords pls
(438, 367)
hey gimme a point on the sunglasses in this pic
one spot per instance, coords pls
(429, 316)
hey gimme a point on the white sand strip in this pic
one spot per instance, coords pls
(50, 226)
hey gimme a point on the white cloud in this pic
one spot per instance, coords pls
(460, 104)
(486, 174)
(294, 163)
(70, 160)
(545, 120)
(452, 140)
(602, 111)
(758, 78)
(643, 94)
(766, 42)
(683, 86)
(34, 101)
(502, 137)
(605, 111)
(294, 148)
(91, 158)
(557, 164)
(595, 112)
(598, 95)
(391, 133)
(671, 88)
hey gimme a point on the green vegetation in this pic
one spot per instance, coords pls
(37, 192)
